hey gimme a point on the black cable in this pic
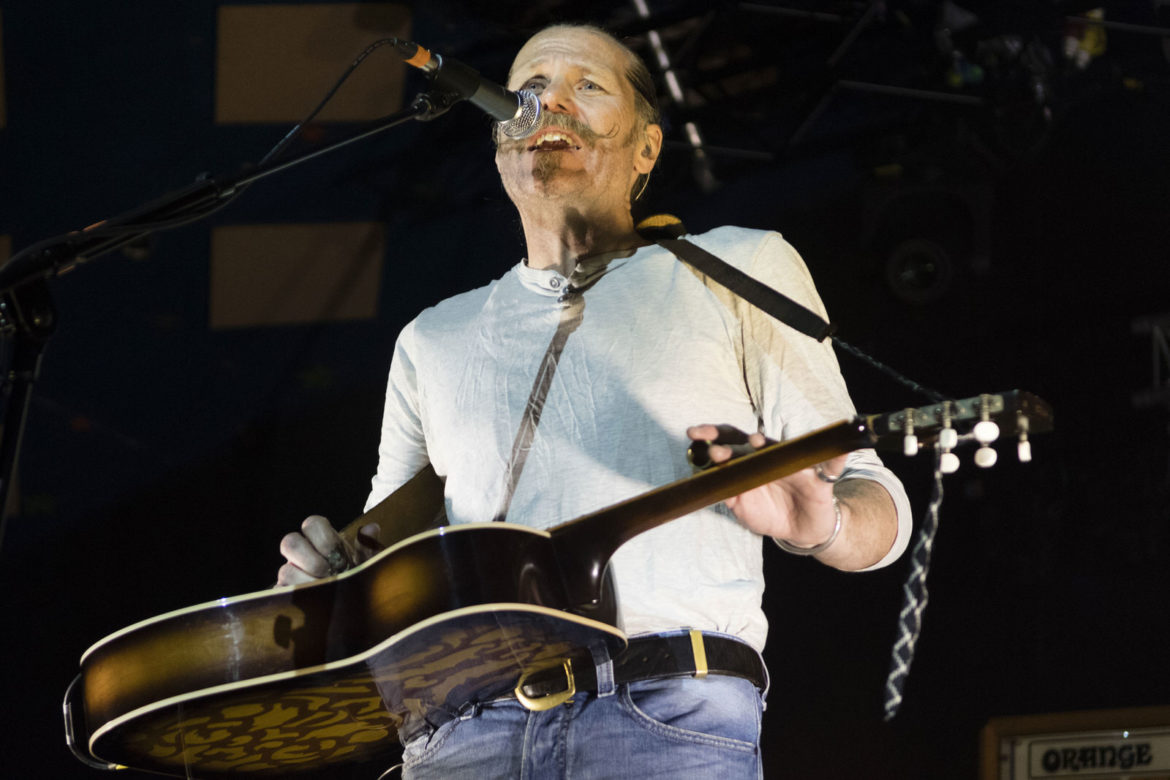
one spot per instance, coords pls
(299, 127)
(122, 234)
(187, 215)
(295, 132)
(930, 393)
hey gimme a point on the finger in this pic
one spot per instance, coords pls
(704, 432)
(291, 575)
(719, 452)
(320, 533)
(704, 454)
(298, 551)
(832, 469)
(370, 534)
(337, 553)
(368, 542)
(723, 451)
(723, 434)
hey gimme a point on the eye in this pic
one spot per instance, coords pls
(589, 86)
(534, 85)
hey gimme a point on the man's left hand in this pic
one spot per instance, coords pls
(798, 508)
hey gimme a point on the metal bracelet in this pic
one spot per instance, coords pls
(817, 549)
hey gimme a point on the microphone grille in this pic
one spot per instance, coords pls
(524, 123)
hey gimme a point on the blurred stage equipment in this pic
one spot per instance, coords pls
(1128, 743)
(1158, 329)
(701, 164)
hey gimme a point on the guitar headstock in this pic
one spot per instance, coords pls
(982, 418)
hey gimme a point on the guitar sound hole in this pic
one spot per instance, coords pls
(282, 631)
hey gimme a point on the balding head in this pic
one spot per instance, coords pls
(595, 44)
(636, 72)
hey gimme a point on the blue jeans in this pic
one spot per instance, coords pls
(680, 728)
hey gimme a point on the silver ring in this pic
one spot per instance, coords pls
(823, 477)
(338, 561)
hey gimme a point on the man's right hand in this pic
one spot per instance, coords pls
(318, 551)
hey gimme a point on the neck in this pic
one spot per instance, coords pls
(558, 238)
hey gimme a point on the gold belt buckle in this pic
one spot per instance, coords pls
(548, 701)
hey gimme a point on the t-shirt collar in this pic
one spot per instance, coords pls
(549, 281)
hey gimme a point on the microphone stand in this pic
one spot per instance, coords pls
(27, 315)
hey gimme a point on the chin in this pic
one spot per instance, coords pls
(553, 184)
(544, 181)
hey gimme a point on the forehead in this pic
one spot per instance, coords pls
(572, 47)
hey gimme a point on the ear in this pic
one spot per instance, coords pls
(647, 156)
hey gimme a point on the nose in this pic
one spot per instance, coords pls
(557, 96)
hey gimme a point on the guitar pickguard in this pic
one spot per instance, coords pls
(351, 711)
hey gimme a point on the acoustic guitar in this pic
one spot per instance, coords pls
(296, 679)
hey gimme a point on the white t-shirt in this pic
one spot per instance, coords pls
(658, 348)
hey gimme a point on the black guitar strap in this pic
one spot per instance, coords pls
(667, 231)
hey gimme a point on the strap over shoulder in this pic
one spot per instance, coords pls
(667, 231)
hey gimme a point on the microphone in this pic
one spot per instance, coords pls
(516, 112)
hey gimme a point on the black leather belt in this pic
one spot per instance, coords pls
(649, 658)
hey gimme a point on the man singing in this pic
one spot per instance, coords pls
(577, 380)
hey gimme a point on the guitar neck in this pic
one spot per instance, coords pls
(585, 545)
(411, 509)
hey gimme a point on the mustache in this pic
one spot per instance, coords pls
(587, 134)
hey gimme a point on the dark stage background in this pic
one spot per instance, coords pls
(1005, 225)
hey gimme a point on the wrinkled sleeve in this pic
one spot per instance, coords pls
(402, 451)
(795, 381)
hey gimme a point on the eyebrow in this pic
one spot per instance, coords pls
(536, 69)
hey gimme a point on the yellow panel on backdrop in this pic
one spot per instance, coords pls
(274, 63)
(290, 274)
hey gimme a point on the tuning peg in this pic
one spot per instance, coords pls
(985, 431)
(1023, 446)
(909, 438)
(948, 439)
(985, 457)
(948, 462)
